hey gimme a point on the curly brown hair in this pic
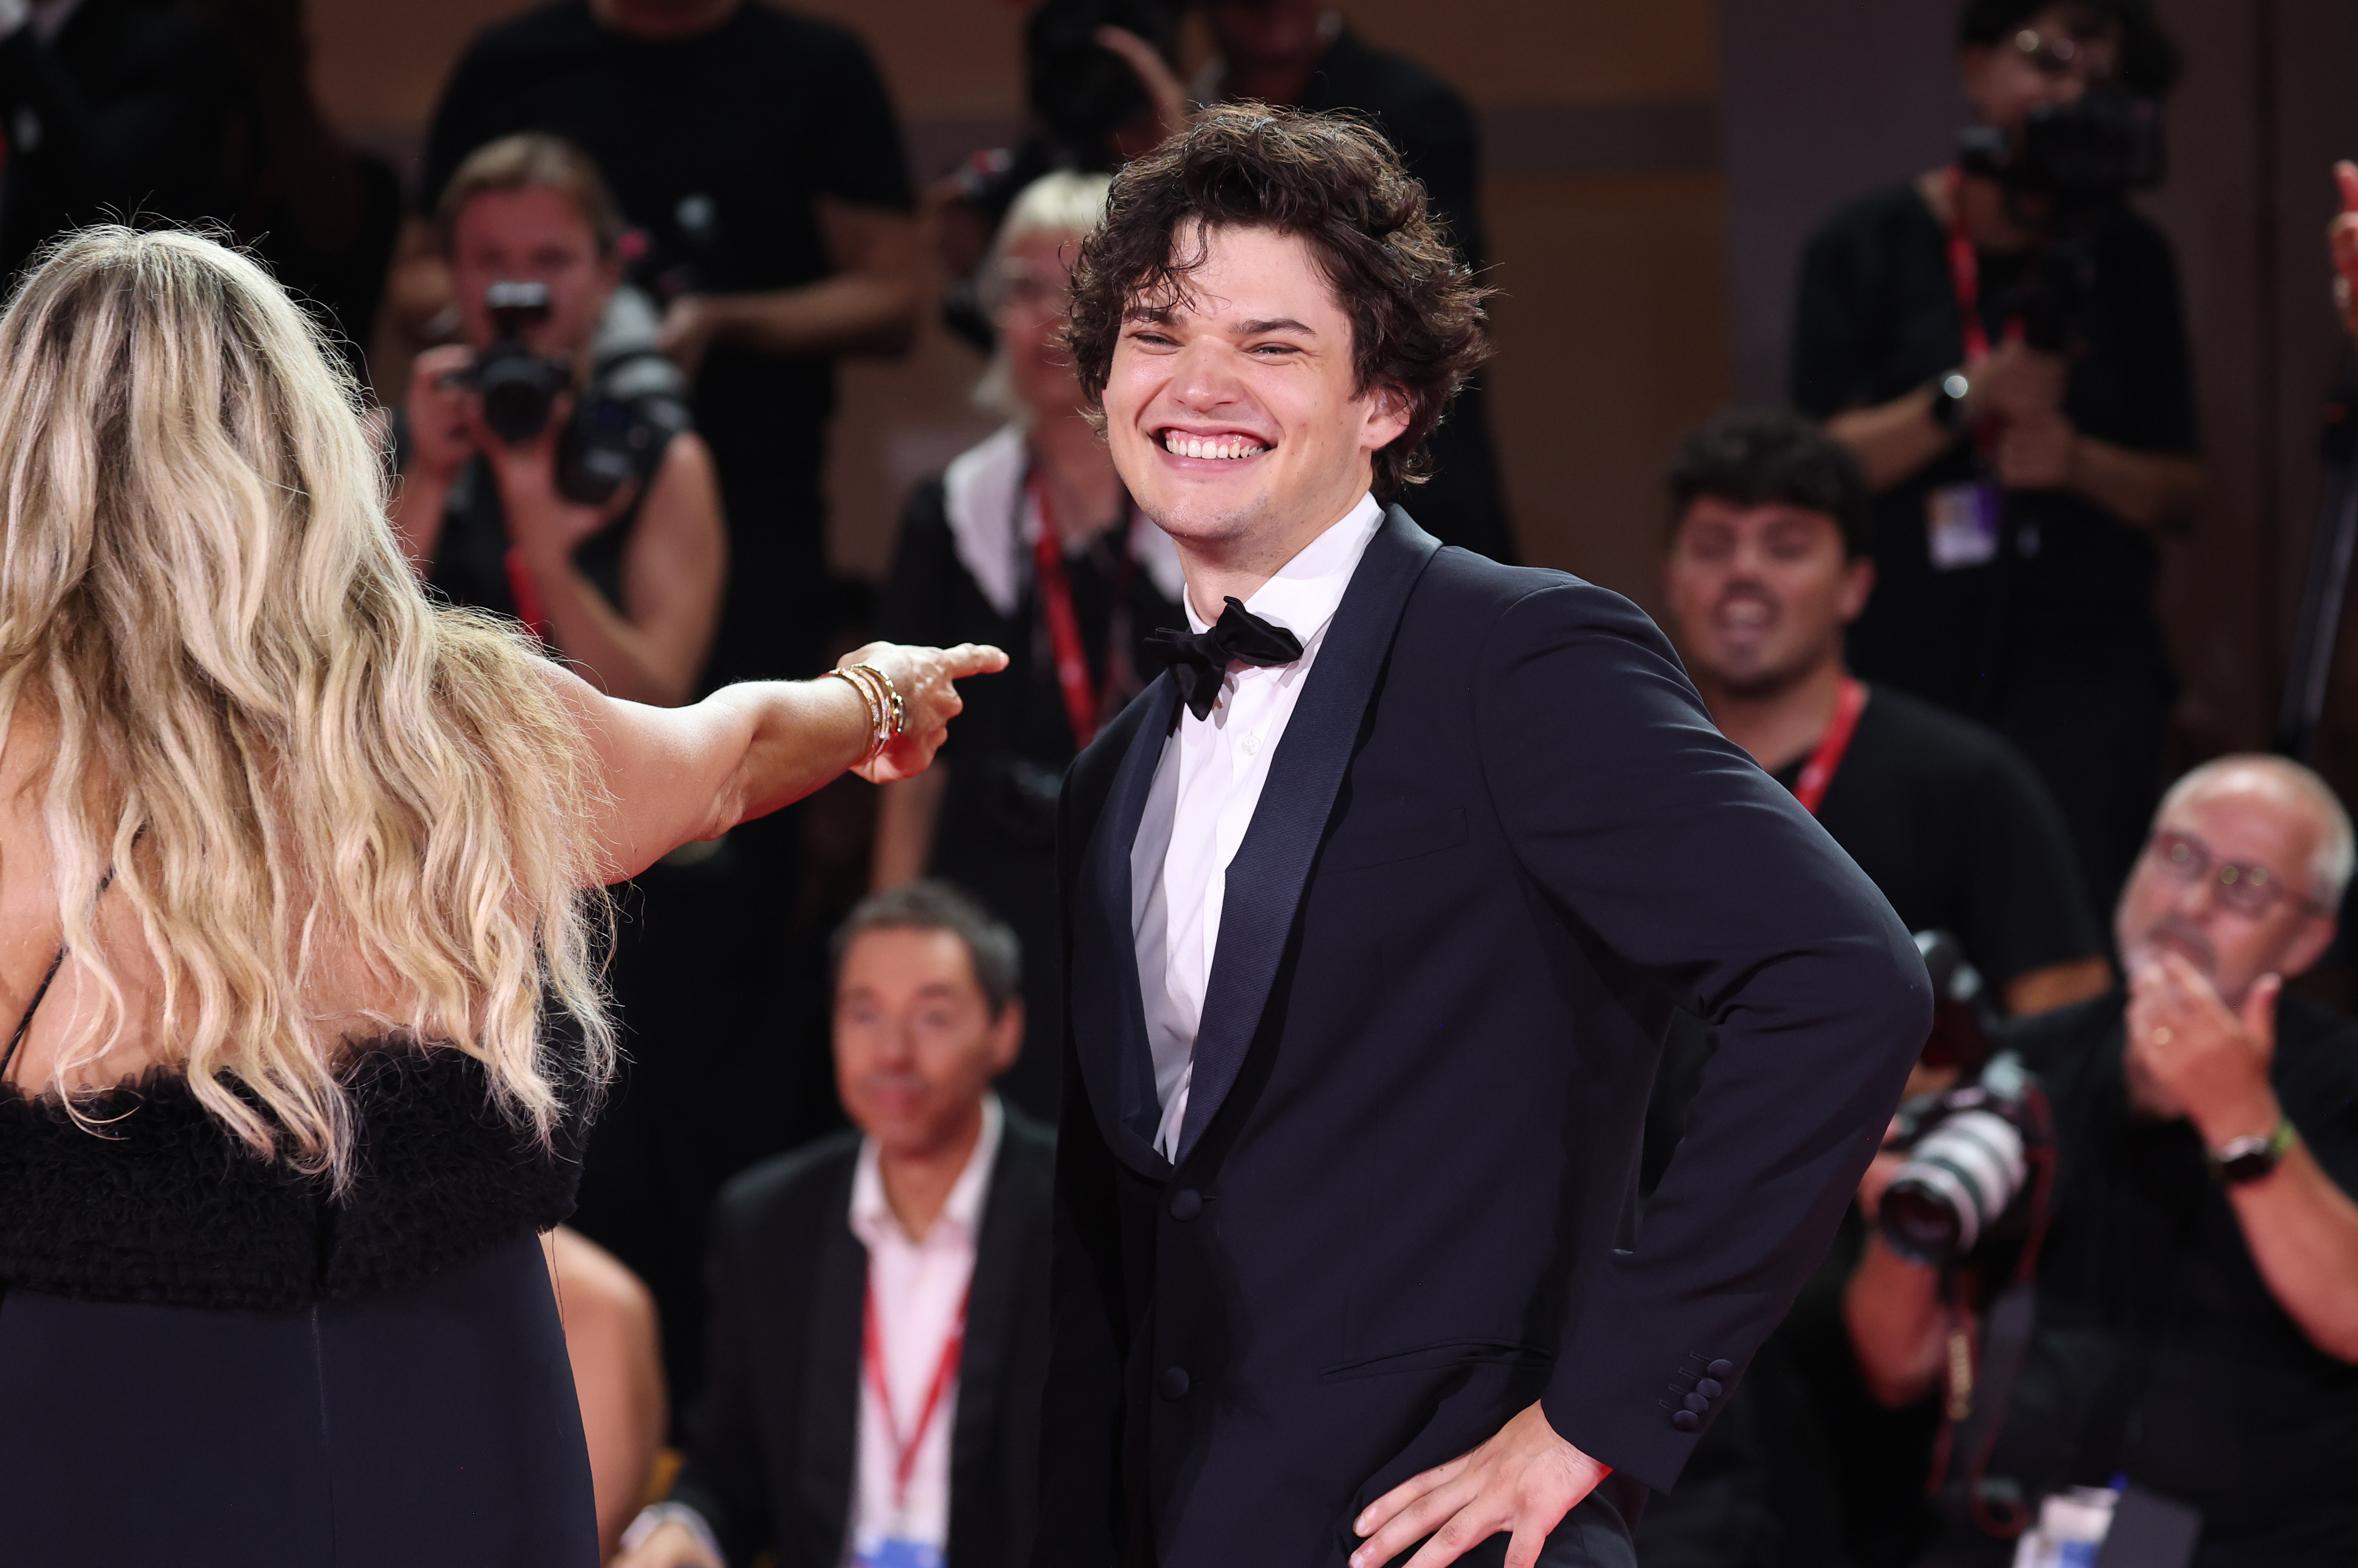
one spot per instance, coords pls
(1417, 318)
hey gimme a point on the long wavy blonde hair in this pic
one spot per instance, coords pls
(289, 759)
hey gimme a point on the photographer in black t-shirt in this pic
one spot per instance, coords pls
(2197, 1292)
(1766, 565)
(756, 152)
(2002, 343)
(601, 529)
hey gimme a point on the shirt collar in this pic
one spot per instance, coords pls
(1305, 591)
(871, 1215)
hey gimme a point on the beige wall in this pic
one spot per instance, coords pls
(1612, 322)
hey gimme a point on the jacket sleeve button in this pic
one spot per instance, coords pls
(1685, 1420)
(1697, 1403)
(1709, 1387)
(1721, 1368)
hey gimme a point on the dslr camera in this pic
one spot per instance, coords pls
(2073, 168)
(518, 387)
(634, 400)
(1974, 1150)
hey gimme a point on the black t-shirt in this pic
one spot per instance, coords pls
(2071, 590)
(1955, 828)
(718, 145)
(2160, 1354)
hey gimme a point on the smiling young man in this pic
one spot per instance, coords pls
(1376, 908)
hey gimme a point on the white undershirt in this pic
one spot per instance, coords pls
(919, 1288)
(1205, 790)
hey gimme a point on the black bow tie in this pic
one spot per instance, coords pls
(1199, 662)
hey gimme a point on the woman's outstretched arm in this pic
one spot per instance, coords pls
(674, 775)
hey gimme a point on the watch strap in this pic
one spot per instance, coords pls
(2241, 1159)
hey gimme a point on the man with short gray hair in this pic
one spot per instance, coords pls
(2197, 1293)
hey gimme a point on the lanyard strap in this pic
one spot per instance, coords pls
(872, 1356)
(1809, 789)
(527, 594)
(1966, 277)
(1082, 705)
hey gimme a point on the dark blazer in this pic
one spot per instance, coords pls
(1500, 840)
(772, 1443)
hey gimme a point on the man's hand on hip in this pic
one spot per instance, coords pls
(1522, 1481)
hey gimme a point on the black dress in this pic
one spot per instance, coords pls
(207, 1358)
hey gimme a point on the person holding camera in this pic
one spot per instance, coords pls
(1032, 536)
(544, 477)
(2196, 1324)
(2003, 344)
(1767, 561)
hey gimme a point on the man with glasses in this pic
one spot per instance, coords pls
(2010, 364)
(2197, 1322)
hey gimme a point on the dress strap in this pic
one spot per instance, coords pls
(8, 1058)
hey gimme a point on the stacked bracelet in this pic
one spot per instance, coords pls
(887, 716)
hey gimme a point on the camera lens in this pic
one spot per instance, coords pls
(1956, 1184)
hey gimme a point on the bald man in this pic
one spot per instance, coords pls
(2197, 1294)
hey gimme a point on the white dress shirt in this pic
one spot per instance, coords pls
(919, 1289)
(1204, 790)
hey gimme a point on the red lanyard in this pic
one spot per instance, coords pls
(872, 1356)
(1081, 701)
(1809, 789)
(527, 593)
(1966, 277)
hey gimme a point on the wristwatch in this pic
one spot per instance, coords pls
(2241, 1159)
(1948, 392)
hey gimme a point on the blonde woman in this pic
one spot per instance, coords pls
(297, 889)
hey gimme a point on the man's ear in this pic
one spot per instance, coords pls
(2308, 946)
(1007, 1036)
(1390, 409)
(1858, 586)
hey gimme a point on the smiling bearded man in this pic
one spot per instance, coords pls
(1377, 909)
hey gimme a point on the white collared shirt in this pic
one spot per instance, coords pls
(920, 1291)
(1204, 790)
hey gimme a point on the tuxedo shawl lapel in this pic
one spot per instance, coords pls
(1108, 1016)
(1272, 865)
(830, 1434)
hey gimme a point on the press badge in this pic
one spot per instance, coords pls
(1961, 523)
(894, 1552)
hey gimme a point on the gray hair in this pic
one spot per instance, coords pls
(2329, 867)
(992, 948)
(1061, 205)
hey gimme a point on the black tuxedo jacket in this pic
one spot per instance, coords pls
(772, 1442)
(1499, 841)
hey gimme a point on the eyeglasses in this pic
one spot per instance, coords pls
(2058, 58)
(2251, 890)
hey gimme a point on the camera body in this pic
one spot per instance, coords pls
(518, 387)
(1971, 1153)
(634, 402)
(2071, 169)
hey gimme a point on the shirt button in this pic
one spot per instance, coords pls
(1252, 745)
(1175, 1382)
(1186, 1204)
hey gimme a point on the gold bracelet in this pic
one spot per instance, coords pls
(900, 714)
(873, 701)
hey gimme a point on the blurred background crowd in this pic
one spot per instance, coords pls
(1962, 385)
